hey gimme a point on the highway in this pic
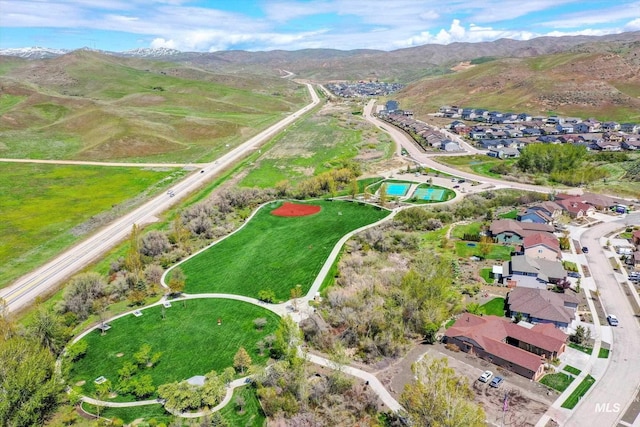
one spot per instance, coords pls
(48, 277)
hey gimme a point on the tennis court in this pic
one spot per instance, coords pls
(430, 194)
(397, 189)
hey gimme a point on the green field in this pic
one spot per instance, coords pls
(559, 381)
(498, 252)
(191, 341)
(487, 275)
(603, 353)
(319, 142)
(276, 253)
(494, 307)
(572, 370)
(251, 416)
(42, 206)
(580, 391)
(586, 350)
(477, 164)
(460, 230)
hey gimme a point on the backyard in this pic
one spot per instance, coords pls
(187, 334)
(276, 253)
(494, 251)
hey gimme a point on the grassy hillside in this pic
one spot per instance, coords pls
(90, 106)
(602, 84)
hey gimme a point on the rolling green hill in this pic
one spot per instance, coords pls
(90, 106)
(602, 83)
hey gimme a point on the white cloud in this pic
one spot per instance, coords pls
(633, 25)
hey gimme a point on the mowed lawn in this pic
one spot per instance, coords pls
(189, 337)
(276, 253)
(40, 204)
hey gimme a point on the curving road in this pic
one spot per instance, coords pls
(426, 159)
(46, 278)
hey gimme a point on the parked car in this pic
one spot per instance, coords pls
(574, 274)
(612, 319)
(585, 250)
(486, 376)
(496, 382)
(456, 186)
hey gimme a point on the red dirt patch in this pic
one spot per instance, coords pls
(294, 209)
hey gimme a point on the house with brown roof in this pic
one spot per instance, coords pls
(576, 208)
(635, 237)
(543, 306)
(500, 341)
(511, 231)
(542, 245)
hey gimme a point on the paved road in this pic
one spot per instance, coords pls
(615, 389)
(426, 159)
(46, 278)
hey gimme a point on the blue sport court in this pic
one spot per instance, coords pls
(397, 189)
(430, 194)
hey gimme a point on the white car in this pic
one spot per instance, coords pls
(486, 376)
(612, 319)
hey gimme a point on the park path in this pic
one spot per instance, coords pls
(283, 309)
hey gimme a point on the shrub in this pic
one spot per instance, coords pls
(452, 347)
(267, 295)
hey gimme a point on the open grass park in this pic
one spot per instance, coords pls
(187, 334)
(276, 253)
(45, 208)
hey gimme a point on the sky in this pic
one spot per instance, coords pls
(259, 25)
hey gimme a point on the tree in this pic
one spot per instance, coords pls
(177, 281)
(48, 330)
(241, 360)
(81, 292)
(439, 397)
(154, 243)
(287, 339)
(145, 357)
(581, 336)
(143, 386)
(295, 293)
(267, 295)
(213, 389)
(180, 396)
(132, 261)
(103, 391)
(382, 195)
(29, 387)
(474, 308)
(179, 233)
(260, 323)
(354, 189)
(485, 246)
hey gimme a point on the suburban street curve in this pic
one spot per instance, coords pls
(47, 277)
(616, 388)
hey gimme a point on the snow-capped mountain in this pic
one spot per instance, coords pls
(150, 52)
(43, 52)
(33, 52)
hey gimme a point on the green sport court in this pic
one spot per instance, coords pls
(430, 194)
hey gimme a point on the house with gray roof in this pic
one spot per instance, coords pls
(544, 270)
(543, 306)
